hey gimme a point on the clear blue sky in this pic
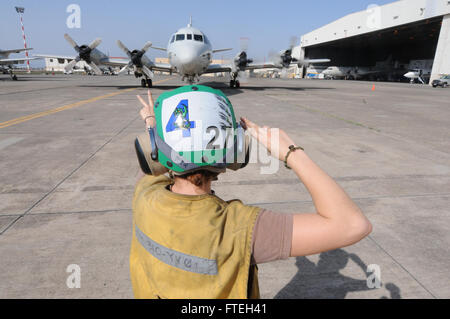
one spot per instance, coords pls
(268, 24)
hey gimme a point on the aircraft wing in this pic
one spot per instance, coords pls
(221, 50)
(69, 58)
(122, 62)
(272, 65)
(16, 61)
(257, 66)
(114, 62)
(14, 51)
(109, 61)
(152, 66)
(312, 61)
(217, 68)
(162, 67)
(158, 48)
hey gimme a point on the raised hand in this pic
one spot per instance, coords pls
(147, 112)
(275, 140)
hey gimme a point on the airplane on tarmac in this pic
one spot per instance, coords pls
(348, 72)
(189, 53)
(6, 63)
(418, 74)
(387, 69)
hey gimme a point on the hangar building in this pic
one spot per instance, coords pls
(401, 32)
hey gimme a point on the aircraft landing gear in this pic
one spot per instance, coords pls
(235, 84)
(12, 75)
(146, 83)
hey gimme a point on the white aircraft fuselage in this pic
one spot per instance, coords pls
(347, 72)
(418, 74)
(189, 52)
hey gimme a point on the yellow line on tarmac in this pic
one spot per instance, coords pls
(65, 107)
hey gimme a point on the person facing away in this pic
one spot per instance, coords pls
(190, 244)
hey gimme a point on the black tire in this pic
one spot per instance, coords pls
(149, 83)
(14, 77)
(143, 83)
(444, 85)
(232, 84)
(238, 84)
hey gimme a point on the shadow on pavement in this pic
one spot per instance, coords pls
(233, 91)
(324, 280)
(216, 85)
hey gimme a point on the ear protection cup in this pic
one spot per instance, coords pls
(248, 142)
(145, 151)
(241, 150)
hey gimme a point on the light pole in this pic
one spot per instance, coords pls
(20, 11)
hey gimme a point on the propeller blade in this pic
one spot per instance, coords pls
(147, 72)
(95, 43)
(244, 44)
(293, 42)
(124, 48)
(71, 64)
(95, 68)
(146, 46)
(72, 42)
(275, 57)
(129, 65)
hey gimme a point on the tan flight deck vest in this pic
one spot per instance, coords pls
(190, 247)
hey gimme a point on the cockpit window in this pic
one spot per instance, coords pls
(180, 37)
(173, 39)
(198, 37)
(188, 36)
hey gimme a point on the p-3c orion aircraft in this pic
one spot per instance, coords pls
(189, 53)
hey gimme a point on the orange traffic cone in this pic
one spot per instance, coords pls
(373, 87)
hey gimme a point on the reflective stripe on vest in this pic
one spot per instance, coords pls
(176, 259)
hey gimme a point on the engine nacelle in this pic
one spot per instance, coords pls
(241, 61)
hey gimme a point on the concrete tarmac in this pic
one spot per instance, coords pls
(68, 170)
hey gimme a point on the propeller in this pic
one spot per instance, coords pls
(136, 59)
(284, 58)
(241, 60)
(84, 54)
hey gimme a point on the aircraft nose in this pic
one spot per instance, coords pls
(187, 57)
(409, 75)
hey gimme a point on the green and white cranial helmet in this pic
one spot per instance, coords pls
(197, 129)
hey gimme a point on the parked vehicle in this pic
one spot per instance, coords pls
(444, 81)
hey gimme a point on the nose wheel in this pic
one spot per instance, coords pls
(146, 83)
